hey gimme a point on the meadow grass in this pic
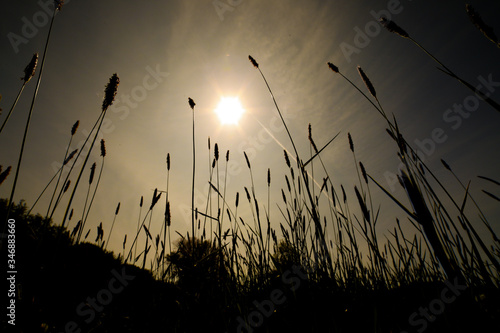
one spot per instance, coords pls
(227, 267)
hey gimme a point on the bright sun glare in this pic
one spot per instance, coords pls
(229, 110)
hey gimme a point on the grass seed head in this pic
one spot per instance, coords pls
(333, 196)
(287, 160)
(351, 144)
(479, 23)
(391, 134)
(393, 27)
(313, 144)
(246, 159)
(216, 152)
(103, 148)
(362, 204)
(110, 92)
(288, 184)
(67, 186)
(445, 165)
(4, 174)
(248, 194)
(367, 82)
(70, 156)
(252, 60)
(333, 67)
(58, 4)
(168, 161)
(156, 198)
(363, 172)
(75, 127)
(191, 103)
(92, 172)
(168, 216)
(29, 71)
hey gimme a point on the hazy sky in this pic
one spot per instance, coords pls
(167, 51)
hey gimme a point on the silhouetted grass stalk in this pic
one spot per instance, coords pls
(35, 94)
(84, 218)
(58, 173)
(154, 201)
(113, 224)
(91, 179)
(73, 131)
(313, 209)
(109, 96)
(393, 27)
(192, 105)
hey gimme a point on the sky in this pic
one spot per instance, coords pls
(165, 52)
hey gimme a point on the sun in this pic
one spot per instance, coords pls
(229, 110)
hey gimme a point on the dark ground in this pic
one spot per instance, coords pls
(57, 281)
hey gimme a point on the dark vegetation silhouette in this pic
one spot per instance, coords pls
(310, 275)
(57, 275)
